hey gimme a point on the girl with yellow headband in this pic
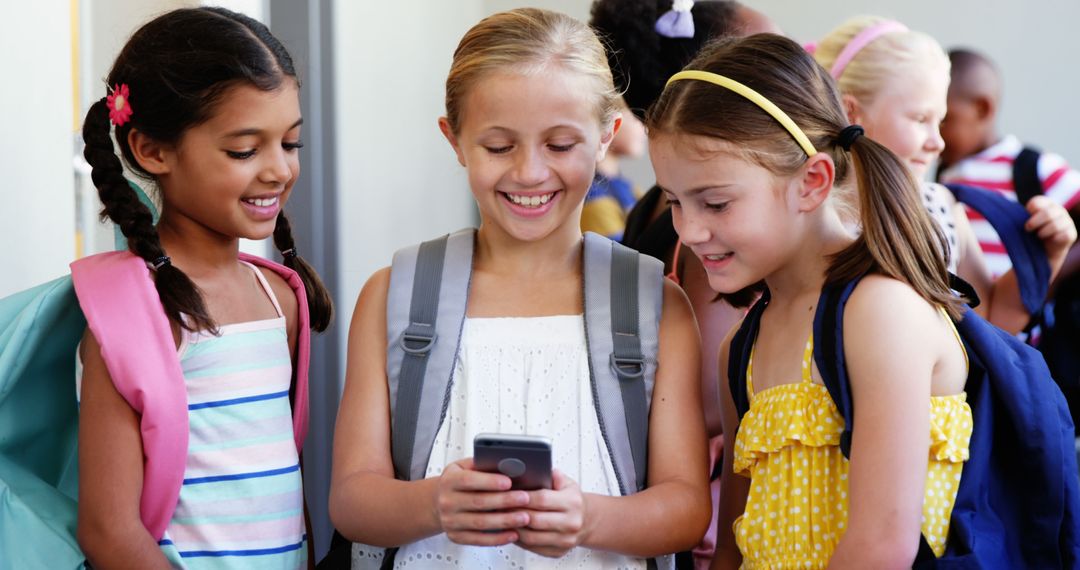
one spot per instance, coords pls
(756, 155)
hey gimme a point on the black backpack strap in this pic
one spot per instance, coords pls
(1026, 179)
(829, 352)
(739, 354)
(965, 289)
(1026, 251)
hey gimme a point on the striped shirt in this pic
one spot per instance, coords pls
(993, 169)
(241, 504)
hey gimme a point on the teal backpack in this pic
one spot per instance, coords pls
(40, 330)
(38, 427)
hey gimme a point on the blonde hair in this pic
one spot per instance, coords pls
(866, 74)
(526, 41)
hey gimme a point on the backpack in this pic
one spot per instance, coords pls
(40, 330)
(426, 303)
(1019, 496)
(1025, 250)
(1060, 338)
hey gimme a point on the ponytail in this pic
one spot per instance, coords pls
(898, 238)
(179, 295)
(320, 305)
(785, 107)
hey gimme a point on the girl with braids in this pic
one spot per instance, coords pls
(752, 147)
(205, 104)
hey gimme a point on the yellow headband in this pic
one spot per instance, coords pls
(730, 84)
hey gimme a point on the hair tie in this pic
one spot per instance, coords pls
(755, 97)
(119, 104)
(677, 22)
(291, 252)
(161, 262)
(847, 136)
(861, 40)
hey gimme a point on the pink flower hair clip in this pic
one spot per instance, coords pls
(119, 105)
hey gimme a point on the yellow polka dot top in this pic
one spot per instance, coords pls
(788, 444)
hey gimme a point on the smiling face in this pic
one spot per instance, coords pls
(530, 143)
(906, 113)
(232, 174)
(726, 209)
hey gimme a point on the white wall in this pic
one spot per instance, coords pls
(1032, 42)
(37, 198)
(577, 8)
(398, 181)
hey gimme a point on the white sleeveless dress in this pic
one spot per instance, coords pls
(519, 376)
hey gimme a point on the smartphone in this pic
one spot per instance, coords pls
(525, 459)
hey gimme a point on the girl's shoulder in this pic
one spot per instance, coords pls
(887, 323)
(371, 300)
(880, 301)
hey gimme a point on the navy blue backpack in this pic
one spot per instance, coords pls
(1019, 495)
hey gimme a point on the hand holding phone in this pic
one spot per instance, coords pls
(477, 508)
(525, 459)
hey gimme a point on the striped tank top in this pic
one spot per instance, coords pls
(242, 503)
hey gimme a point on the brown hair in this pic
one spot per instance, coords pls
(898, 238)
(178, 67)
(527, 40)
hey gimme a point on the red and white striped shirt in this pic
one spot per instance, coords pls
(993, 169)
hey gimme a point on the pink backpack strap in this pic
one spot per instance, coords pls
(303, 344)
(124, 313)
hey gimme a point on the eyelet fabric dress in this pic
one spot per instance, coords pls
(519, 375)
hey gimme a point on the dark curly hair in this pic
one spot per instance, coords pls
(643, 60)
(178, 66)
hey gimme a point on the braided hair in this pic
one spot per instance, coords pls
(177, 68)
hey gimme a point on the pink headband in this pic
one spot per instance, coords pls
(861, 40)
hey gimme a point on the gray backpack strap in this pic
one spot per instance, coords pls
(623, 302)
(425, 310)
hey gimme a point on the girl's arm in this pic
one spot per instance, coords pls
(893, 340)
(677, 498)
(367, 504)
(733, 488)
(110, 530)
